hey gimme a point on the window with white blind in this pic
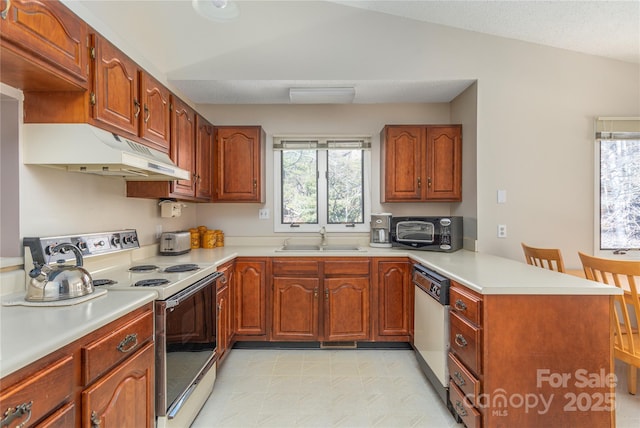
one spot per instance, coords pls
(322, 181)
(618, 188)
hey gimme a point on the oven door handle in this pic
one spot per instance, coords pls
(191, 290)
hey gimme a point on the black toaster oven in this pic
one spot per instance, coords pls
(427, 233)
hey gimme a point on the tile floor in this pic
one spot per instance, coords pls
(339, 388)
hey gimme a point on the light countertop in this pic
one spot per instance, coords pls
(29, 333)
(480, 272)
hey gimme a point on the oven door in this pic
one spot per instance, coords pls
(420, 232)
(185, 343)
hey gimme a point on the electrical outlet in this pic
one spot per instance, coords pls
(502, 231)
(263, 214)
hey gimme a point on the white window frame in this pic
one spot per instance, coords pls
(324, 143)
(608, 128)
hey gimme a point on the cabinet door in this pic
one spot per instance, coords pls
(250, 296)
(182, 145)
(346, 309)
(444, 163)
(45, 33)
(123, 397)
(204, 158)
(295, 308)
(238, 172)
(223, 324)
(395, 307)
(403, 163)
(115, 88)
(155, 117)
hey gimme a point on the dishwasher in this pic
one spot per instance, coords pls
(431, 327)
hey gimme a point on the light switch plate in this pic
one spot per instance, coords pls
(263, 214)
(502, 196)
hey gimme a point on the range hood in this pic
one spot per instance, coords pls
(79, 147)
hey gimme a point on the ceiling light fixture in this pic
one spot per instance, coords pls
(217, 10)
(322, 95)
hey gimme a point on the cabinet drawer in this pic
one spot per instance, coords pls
(466, 304)
(295, 267)
(470, 416)
(467, 382)
(346, 267)
(465, 342)
(104, 353)
(41, 392)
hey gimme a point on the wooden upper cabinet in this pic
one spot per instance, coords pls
(183, 125)
(402, 166)
(421, 163)
(122, 98)
(115, 96)
(44, 46)
(155, 117)
(444, 163)
(205, 136)
(239, 169)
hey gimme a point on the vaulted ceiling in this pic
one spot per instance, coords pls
(240, 61)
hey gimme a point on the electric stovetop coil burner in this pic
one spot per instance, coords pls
(154, 282)
(187, 267)
(101, 282)
(143, 268)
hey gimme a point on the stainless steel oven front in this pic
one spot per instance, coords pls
(185, 343)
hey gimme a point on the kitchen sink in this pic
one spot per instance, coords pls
(337, 247)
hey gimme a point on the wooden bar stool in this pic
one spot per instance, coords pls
(546, 258)
(623, 274)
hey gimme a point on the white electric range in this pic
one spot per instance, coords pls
(185, 314)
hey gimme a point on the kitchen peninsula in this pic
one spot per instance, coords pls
(528, 322)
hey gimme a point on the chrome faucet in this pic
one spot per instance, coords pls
(323, 236)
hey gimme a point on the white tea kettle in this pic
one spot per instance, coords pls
(52, 282)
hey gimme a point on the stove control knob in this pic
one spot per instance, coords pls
(82, 245)
(99, 244)
(115, 241)
(48, 249)
(126, 240)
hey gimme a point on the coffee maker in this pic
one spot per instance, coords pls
(380, 230)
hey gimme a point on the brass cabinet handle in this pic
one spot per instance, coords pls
(128, 343)
(326, 294)
(4, 14)
(147, 114)
(137, 112)
(13, 413)
(458, 379)
(419, 182)
(460, 409)
(315, 293)
(255, 184)
(460, 305)
(428, 181)
(460, 340)
(95, 420)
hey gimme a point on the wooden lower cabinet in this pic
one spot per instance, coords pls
(125, 396)
(295, 308)
(346, 309)
(320, 300)
(250, 298)
(223, 321)
(394, 299)
(530, 360)
(89, 382)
